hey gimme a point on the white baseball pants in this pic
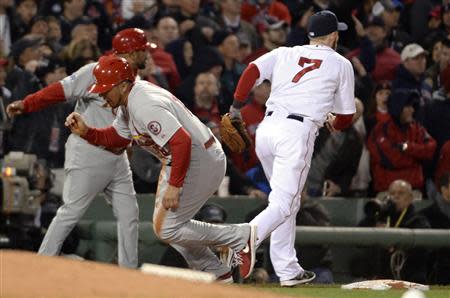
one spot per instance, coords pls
(284, 146)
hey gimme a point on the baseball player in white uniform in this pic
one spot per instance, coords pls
(89, 169)
(193, 163)
(308, 84)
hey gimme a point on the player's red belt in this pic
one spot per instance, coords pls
(290, 116)
(209, 143)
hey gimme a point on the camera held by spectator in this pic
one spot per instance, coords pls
(378, 210)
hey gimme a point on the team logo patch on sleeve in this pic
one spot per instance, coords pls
(154, 127)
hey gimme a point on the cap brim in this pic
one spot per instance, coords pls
(99, 88)
(342, 26)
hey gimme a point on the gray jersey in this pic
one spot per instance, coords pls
(92, 108)
(153, 115)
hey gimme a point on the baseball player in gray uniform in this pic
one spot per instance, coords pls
(90, 169)
(193, 163)
(309, 83)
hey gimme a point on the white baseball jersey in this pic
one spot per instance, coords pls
(152, 117)
(310, 80)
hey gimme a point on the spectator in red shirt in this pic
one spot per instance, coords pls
(206, 91)
(383, 66)
(399, 146)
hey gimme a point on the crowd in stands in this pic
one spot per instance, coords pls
(400, 52)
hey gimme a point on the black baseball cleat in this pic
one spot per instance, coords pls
(302, 278)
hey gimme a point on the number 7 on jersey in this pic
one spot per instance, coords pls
(315, 64)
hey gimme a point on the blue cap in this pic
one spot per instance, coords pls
(323, 23)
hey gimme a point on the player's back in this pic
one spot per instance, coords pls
(147, 98)
(306, 79)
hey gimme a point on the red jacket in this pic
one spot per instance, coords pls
(443, 165)
(389, 163)
(386, 64)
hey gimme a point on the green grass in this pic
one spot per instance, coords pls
(316, 291)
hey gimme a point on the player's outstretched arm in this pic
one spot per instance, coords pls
(106, 137)
(52, 94)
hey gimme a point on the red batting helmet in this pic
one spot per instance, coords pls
(129, 40)
(110, 71)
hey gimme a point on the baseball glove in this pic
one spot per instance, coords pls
(234, 134)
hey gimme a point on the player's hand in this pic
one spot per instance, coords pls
(15, 108)
(76, 124)
(329, 122)
(171, 198)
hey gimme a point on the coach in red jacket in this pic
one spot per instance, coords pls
(399, 146)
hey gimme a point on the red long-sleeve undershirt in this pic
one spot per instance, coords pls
(180, 146)
(342, 121)
(246, 83)
(52, 94)
(248, 80)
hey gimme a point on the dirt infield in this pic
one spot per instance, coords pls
(24, 274)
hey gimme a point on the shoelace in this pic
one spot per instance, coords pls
(236, 260)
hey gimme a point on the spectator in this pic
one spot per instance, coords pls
(206, 59)
(389, 11)
(72, 10)
(228, 45)
(434, 27)
(188, 16)
(79, 53)
(230, 19)
(21, 23)
(410, 76)
(165, 31)
(273, 34)
(443, 164)
(38, 27)
(384, 64)
(54, 34)
(377, 110)
(336, 162)
(26, 56)
(433, 73)
(206, 90)
(254, 11)
(84, 28)
(5, 26)
(437, 111)
(400, 146)
(397, 212)
(438, 214)
(182, 53)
